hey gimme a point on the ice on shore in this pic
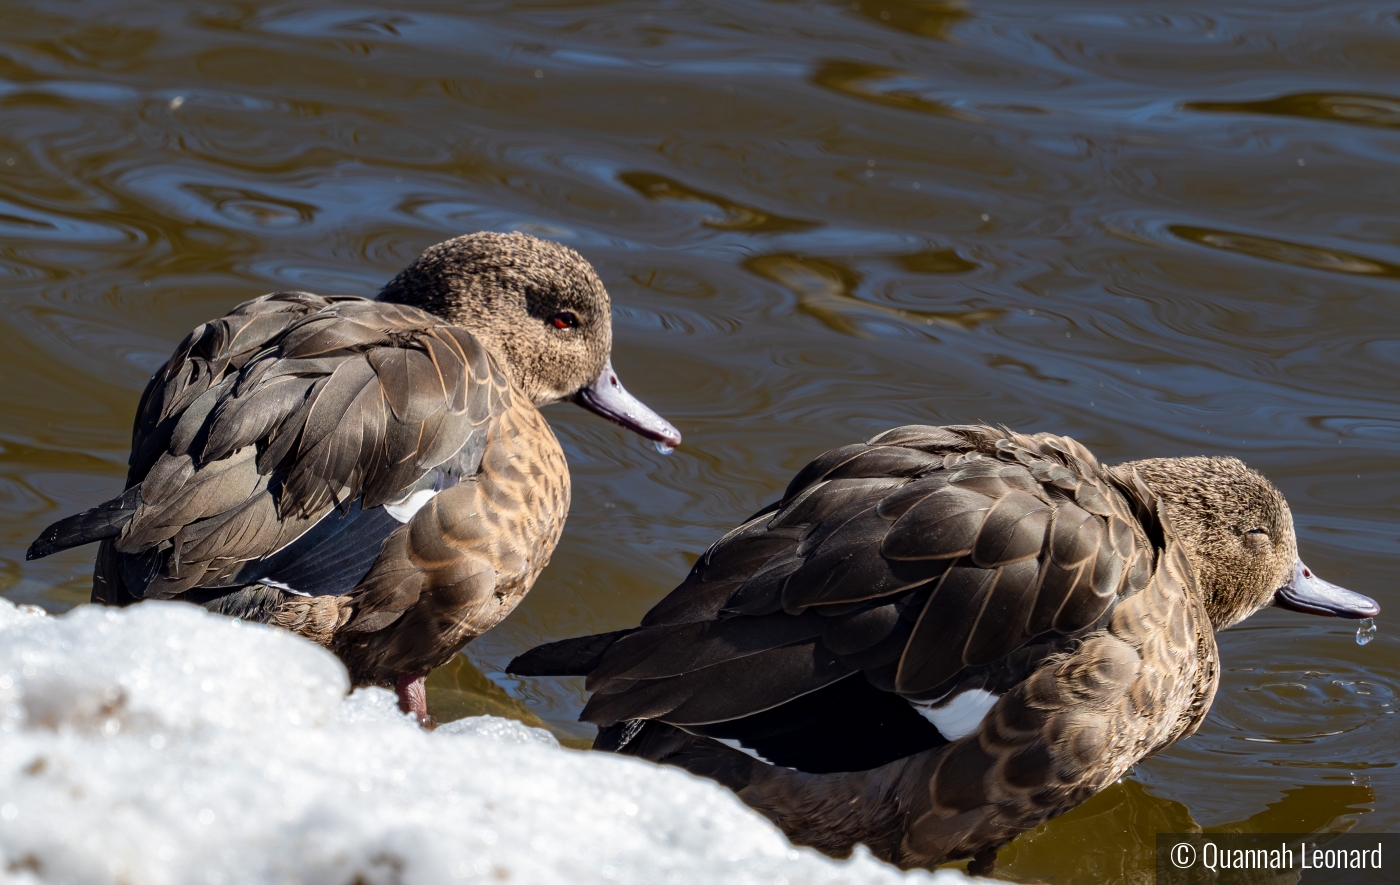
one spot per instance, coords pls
(160, 744)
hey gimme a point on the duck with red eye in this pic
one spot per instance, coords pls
(606, 396)
(373, 474)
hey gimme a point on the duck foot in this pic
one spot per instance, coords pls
(413, 697)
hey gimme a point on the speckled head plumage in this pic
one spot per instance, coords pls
(1234, 526)
(537, 305)
(540, 309)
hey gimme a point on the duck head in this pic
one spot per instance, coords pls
(1237, 531)
(541, 310)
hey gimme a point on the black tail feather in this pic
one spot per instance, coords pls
(667, 745)
(101, 522)
(567, 657)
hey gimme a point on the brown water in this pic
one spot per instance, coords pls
(1160, 232)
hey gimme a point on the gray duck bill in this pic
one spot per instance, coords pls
(1311, 595)
(607, 397)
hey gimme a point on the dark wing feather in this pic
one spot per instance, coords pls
(265, 421)
(937, 647)
(333, 555)
(208, 355)
(930, 559)
(704, 593)
(847, 726)
(95, 524)
(683, 648)
(567, 657)
(757, 682)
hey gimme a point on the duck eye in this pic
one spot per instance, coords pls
(1257, 532)
(564, 319)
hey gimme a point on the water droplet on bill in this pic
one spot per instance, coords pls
(666, 450)
(1365, 631)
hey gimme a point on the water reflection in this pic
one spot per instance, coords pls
(825, 289)
(1365, 110)
(934, 19)
(935, 261)
(1131, 816)
(458, 689)
(736, 215)
(248, 207)
(885, 86)
(1285, 252)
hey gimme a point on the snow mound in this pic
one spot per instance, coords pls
(161, 744)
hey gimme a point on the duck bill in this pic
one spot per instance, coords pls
(607, 397)
(1311, 595)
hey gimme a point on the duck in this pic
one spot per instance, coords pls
(945, 636)
(372, 474)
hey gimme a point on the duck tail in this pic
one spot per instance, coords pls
(106, 520)
(579, 656)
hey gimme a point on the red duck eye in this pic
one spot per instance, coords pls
(563, 320)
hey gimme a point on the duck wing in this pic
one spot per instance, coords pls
(284, 443)
(882, 605)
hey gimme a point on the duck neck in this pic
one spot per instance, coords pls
(1189, 515)
(469, 307)
(523, 476)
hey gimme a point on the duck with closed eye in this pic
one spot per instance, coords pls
(945, 636)
(372, 474)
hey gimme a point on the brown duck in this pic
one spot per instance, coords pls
(947, 635)
(372, 474)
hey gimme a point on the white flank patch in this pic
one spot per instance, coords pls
(403, 511)
(162, 744)
(960, 716)
(284, 587)
(733, 744)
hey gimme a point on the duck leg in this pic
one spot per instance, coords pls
(413, 696)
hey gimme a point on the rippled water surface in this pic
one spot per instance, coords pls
(1161, 232)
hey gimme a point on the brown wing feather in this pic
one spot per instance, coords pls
(759, 681)
(208, 355)
(683, 648)
(271, 416)
(924, 553)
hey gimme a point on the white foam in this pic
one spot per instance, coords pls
(160, 744)
(960, 716)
